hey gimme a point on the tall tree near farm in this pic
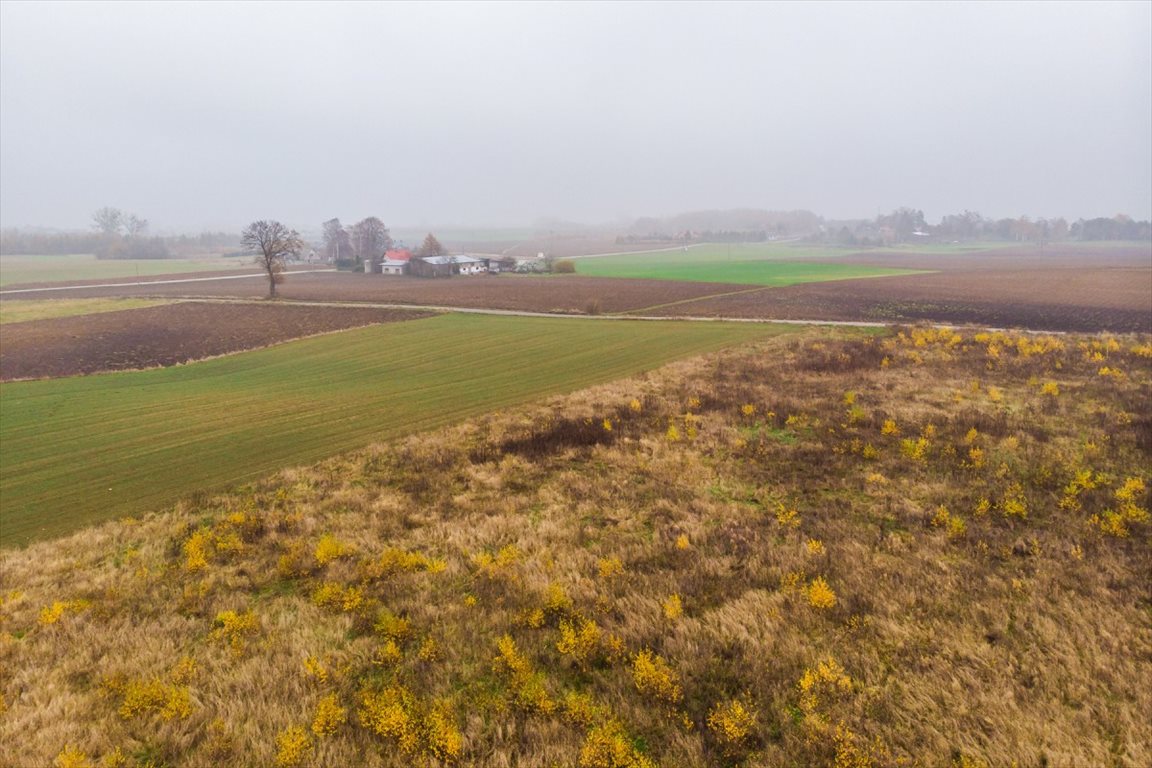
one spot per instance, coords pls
(273, 243)
(371, 238)
(431, 247)
(337, 244)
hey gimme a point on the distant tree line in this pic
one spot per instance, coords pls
(905, 225)
(1119, 227)
(125, 236)
(13, 241)
(116, 235)
(689, 236)
(740, 225)
(773, 223)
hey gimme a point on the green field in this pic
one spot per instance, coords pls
(750, 264)
(84, 266)
(45, 309)
(85, 449)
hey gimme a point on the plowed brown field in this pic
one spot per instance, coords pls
(1116, 299)
(559, 293)
(167, 335)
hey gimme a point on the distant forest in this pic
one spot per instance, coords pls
(903, 225)
(116, 234)
(119, 235)
(908, 225)
(13, 241)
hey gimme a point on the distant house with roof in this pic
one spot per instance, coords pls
(393, 262)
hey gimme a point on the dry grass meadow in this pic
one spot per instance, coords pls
(924, 548)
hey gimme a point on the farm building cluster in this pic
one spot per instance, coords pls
(402, 261)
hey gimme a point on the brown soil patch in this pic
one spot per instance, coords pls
(167, 335)
(1060, 288)
(1064, 300)
(527, 293)
(1078, 256)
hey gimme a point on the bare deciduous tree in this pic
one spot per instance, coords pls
(371, 238)
(108, 220)
(337, 244)
(134, 226)
(273, 243)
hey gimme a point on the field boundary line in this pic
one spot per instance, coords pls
(638, 253)
(697, 298)
(754, 289)
(554, 315)
(137, 283)
(619, 316)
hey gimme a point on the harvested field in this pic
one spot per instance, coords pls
(1079, 256)
(1066, 289)
(530, 293)
(167, 335)
(1104, 300)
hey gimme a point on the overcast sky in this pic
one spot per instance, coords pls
(211, 115)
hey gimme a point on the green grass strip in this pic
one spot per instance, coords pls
(767, 265)
(21, 311)
(81, 450)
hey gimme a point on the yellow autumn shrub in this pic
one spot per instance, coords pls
(733, 723)
(653, 677)
(329, 716)
(293, 746)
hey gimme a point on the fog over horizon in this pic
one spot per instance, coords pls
(211, 115)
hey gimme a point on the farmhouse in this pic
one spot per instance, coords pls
(401, 261)
(394, 262)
